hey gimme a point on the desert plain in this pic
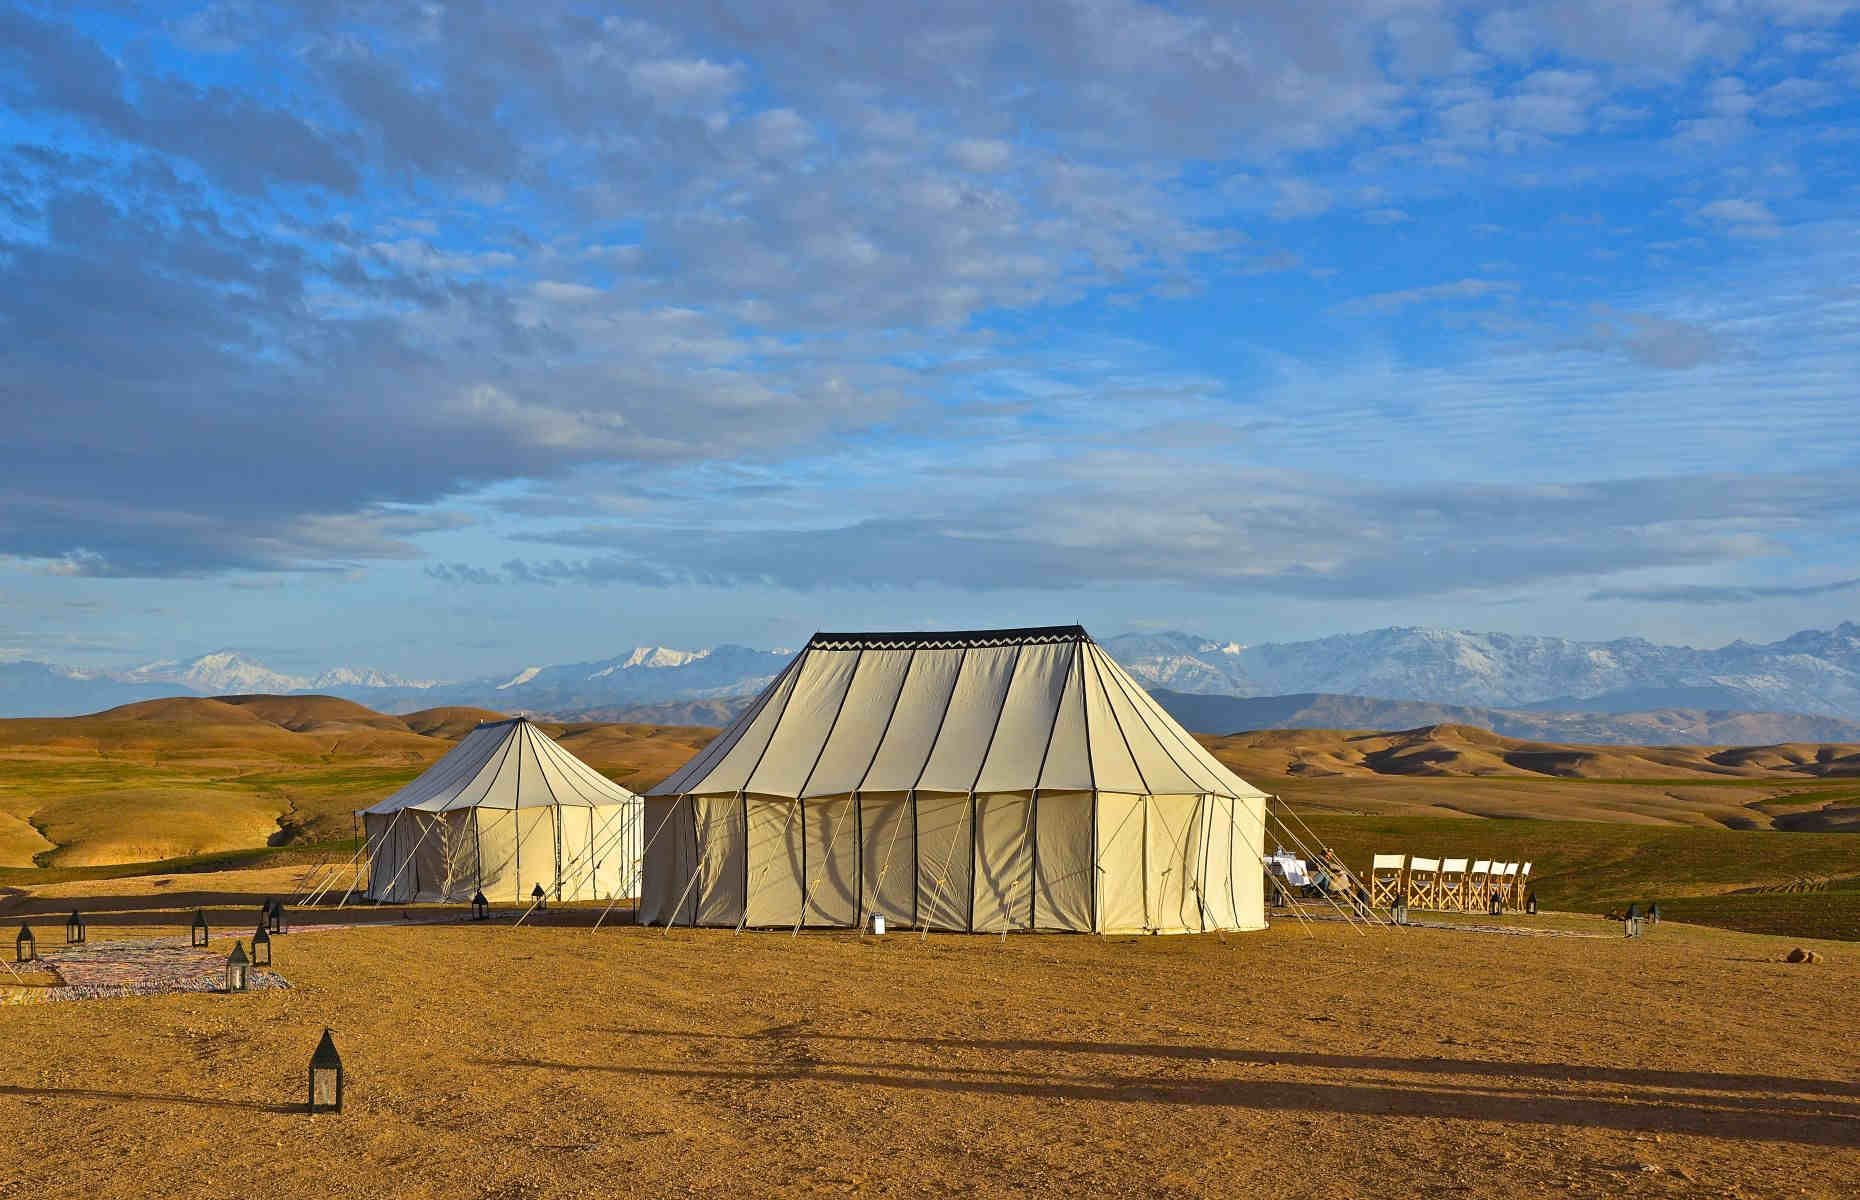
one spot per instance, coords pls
(1516, 1057)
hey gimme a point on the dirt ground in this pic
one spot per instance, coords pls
(551, 1060)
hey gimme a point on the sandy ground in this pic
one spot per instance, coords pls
(548, 1060)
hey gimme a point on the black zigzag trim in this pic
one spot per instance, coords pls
(957, 640)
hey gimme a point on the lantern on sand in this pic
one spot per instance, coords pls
(326, 1076)
(200, 927)
(238, 969)
(25, 947)
(261, 946)
(480, 908)
(539, 898)
(74, 929)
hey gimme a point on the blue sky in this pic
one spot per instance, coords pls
(446, 338)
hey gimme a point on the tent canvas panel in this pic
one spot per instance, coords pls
(807, 722)
(670, 854)
(888, 850)
(969, 725)
(1028, 714)
(1173, 855)
(1121, 889)
(1063, 862)
(1003, 878)
(916, 719)
(775, 845)
(862, 721)
(944, 829)
(832, 862)
(724, 853)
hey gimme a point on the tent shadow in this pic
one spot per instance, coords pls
(1735, 1117)
(1569, 1073)
(47, 1093)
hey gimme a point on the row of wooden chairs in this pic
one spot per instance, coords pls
(1447, 885)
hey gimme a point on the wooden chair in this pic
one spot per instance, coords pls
(1503, 879)
(1385, 882)
(1453, 885)
(1478, 884)
(1521, 887)
(1424, 883)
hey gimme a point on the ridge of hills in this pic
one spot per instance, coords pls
(190, 775)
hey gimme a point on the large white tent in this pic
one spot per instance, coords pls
(994, 780)
(504, 810)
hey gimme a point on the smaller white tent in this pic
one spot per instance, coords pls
(504, 810)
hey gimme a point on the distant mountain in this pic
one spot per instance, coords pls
(1815, 671)
(229, 671)
(1222, 715)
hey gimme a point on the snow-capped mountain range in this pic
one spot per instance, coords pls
(1813, 672)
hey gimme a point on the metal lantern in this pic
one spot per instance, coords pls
(274, 917)
(200, 927)
(1530, 904)
(1496, 907)
(480, 907)
(261, 946)
(238, 969)
(74, 929)
(326, 1076)
(1653, 913)
(1398, 911)
(26, 947)
(539, 898)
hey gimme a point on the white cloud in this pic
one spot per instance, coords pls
(1463, 289)
(981, 154)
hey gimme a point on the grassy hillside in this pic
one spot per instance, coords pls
(198, 780)
(163, 779)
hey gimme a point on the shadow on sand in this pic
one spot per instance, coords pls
(1813, 1112)
(43, 1093)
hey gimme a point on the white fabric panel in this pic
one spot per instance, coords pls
(1195, 759)
(1174, 862)
(1003, 862)
(671, 857)
(497, 854)
(1219, 815)
(943, 861)
(725, 856)
(974, 710)
(693, 775)
(1111, 762)
(383, 832)
(614, 867)
(576, 832)
(1453, 866)
(536, 851)
(1068, 755)
(1424, 864)
(460, 764)
(1120, 863)
(1481, 867)
(806, 722)
(1028, 716)
(832, 862)
(863, 718)
(1249, 849)
(1156, 750)
(732, 768)
(775, 847)
(889, 852)
(1063, 861)
(915, 721)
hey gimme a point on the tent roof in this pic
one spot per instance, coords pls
(506, 764)
(993, 710)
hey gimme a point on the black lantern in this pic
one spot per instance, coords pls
(1630, 924)
(326, 1076)
(480, 907)
(26, 948)
(1653, 913)
(539, 898)
(74, 929)
(200, 927)
(1496, 906)
(274, 916)
(261, 946)
(238, 969)
(1398, 911)
(1530, 904)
